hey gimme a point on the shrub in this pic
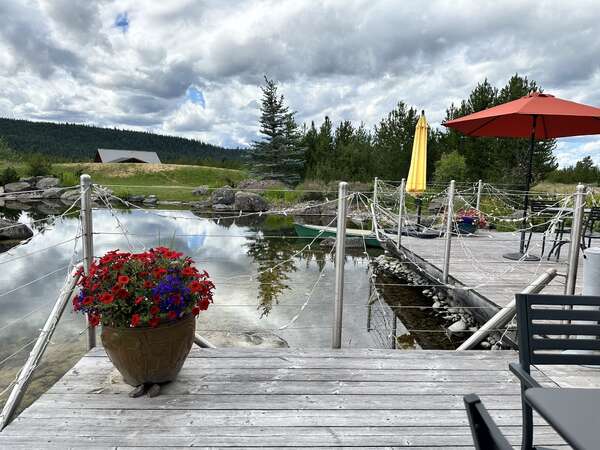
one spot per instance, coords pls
(8, 175)
(451, 166)
(38, 165)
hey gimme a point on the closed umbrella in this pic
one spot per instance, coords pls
(536, 116)
(417, 174)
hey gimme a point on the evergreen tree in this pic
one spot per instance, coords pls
(279, 155)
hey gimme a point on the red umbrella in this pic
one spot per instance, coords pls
(536, 116)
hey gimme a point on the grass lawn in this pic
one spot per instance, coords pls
(167, 181)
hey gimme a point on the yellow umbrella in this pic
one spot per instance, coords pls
(417, 174)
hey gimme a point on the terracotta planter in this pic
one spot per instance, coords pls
(150, 355)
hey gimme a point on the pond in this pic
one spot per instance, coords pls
(271, 289)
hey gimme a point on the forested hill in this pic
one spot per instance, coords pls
(71, 142)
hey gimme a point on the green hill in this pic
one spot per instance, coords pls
(72, 142)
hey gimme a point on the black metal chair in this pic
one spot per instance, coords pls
(537, 208)
(544, 329)
(588, 228)
(486, 434)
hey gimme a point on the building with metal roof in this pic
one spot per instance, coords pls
(105, 155)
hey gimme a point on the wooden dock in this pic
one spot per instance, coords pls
(476, 262)
(243, 398)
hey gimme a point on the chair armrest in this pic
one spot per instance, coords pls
(526, 380)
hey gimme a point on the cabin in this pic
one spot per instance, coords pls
(105, 155)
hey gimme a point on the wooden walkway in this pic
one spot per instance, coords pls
(476, 262)
(242, 398)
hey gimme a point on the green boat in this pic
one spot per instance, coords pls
(313, 231)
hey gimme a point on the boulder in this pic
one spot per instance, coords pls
(17, 186)
(458, 326)
(47, 182)
(150, 200)
(1, 190)
(201, 205)
(136, 198)
(53, 192)
(10, 230)
(223, 196)
(219, 207)
(249, 201)
(70, 196)
(201, 190)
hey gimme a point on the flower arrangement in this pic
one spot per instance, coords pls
(142, 289)
(471, 216)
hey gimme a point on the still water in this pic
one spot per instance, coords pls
(263, 275)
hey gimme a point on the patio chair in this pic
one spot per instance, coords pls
(544, 340)
(537, 208)
(588, 228)
(486, 434)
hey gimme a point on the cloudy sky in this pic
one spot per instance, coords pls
(193, 68)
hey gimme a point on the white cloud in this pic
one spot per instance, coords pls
(354, 60)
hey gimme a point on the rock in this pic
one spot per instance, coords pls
(458, 326)
(10, 230)
(436, 305)
(223, 196)
(485, 344)
(1, 189)
(70, 196)
(200, 190)
(53, 192)
(219, 207)
(150, 200)
(136, 198)
(201, 205)
(17, 186)
(47, 182)
(248, 201)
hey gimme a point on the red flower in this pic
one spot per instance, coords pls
(176, 298)
(122, 293)
(188, 271)
(159, 272)
(139, 299)
(195, 286)
(88, 300)
(135, 320)
(171, 315)
(93, 320)
(203, 304)
(107, 298)
(154, 322)
(148, 284)
(123, 279)
(154, 310)
(195, 310)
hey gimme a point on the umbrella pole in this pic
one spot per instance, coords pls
(521, 255)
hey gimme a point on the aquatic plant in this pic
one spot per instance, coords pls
(142, 289)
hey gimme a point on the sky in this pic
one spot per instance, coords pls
(194, 68)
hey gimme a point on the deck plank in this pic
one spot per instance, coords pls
(230, 398)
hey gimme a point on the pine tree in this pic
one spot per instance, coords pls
(279, 155)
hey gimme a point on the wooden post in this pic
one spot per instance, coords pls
(479, 189)
(87, 237)
(340, 255)
(449, 223)
(575, 240)
(37, 352)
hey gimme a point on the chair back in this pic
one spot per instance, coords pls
(594, 214)
(546, 330)
(485, 432)
(540, 205)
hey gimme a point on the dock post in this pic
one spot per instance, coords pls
(449, 223)
(87, 237)
(479, 189)
(400, 209)
(340, 250)
(375, 183)
(575, 239)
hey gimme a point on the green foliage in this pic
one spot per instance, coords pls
(583, 171)
(38, 165)
(71, 142)
(280, 154)
(451, 166)
(8, 175)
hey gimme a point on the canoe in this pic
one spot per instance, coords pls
(312, 231)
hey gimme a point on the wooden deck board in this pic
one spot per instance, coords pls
(273, 398)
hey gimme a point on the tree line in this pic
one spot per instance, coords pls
(345, 151)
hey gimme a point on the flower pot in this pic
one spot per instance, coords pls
(150, 355)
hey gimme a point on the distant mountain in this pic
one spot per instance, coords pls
(71, 142)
